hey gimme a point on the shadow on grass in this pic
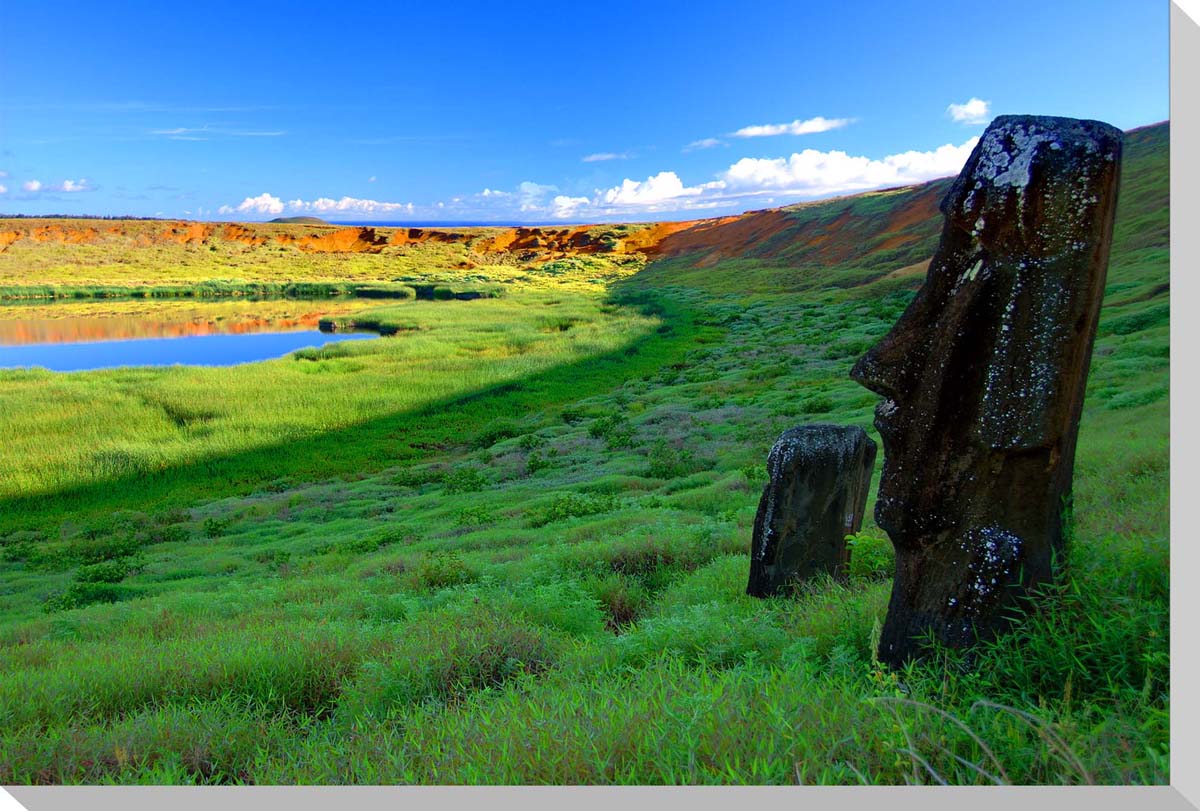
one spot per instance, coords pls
(377, 443)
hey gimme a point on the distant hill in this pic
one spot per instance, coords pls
(876, 236)
(301, 220)
(889, 235)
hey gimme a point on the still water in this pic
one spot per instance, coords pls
(102, 335)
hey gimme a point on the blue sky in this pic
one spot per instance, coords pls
(536, 112)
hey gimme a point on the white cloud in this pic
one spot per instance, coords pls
(267, 203)
(605, 156)
(975, 111)
(203, 133)
(797, 127)
(808, 174)
(703, 143)
(371, 179)
(3, 189)
(37, 187)
(3, 173)
(563, 206)
(649, 192)
(813, 173)
(263, 204)
(326, 205)
(532, 194)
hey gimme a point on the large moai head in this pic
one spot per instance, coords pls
(984, 374)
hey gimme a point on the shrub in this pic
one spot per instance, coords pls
(172, 516)
(438, 570)
(669, 462)
(572, 415)
(78, 595)
(497, 431)
(473, 517)
(871, 556)
(572, 505)
(272, 557)
(21, 546)
(371, 543)
(464, 480)
(818, 404)
(1141, 397)
(530, 442)
(535, 462)
(102, 549)
(614, 429)
(109, 571)
(413, 477)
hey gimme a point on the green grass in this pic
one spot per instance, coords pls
(463, 367)
(537, 576)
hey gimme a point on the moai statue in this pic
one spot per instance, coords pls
(818, 481)
(983, 378)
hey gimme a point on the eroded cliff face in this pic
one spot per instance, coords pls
(527, 243)
(826, 233)
(146, 233)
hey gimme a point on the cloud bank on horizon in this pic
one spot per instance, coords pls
(270, 205)
(805, 175)
(34, 189)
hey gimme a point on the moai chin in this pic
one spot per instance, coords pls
(818, 481)
(983, 380)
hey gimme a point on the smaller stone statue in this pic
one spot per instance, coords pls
(819, 477)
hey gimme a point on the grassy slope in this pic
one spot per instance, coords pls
(562, 600)
(64, 432)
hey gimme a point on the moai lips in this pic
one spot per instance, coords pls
(984, 375)
(818, 481)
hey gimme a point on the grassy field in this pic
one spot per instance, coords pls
(532, 568)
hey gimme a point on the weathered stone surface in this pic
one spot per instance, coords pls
(818, 481)
(983, 378)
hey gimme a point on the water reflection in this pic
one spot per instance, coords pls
(116, 320)
(100, 335)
